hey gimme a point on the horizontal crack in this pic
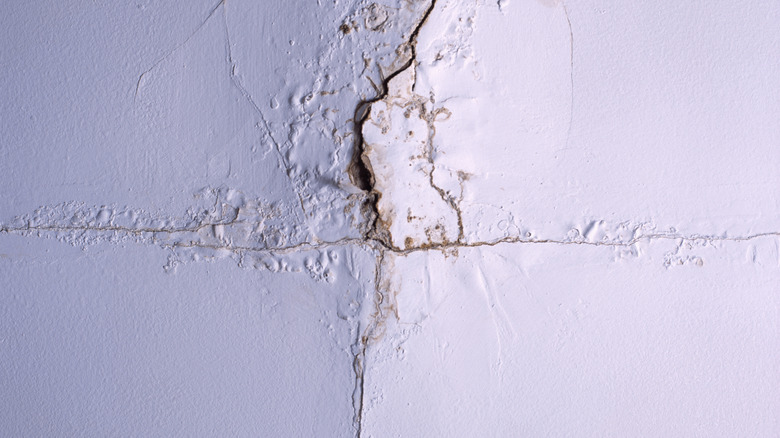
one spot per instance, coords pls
(306, 246)
(363, 242)
(614, 244)
(112, 228)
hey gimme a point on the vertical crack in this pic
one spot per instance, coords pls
(237, 83)
(450, 200)
(362, 176)
(362, 344)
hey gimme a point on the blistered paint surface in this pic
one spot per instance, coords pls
(390, 218)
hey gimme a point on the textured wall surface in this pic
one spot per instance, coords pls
(392, 218)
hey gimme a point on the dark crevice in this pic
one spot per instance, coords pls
(360, 172)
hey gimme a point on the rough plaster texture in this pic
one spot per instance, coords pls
(391, 218)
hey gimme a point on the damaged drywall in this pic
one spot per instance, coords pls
(453, 217)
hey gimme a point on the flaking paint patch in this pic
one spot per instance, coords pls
(453, 239)
(399, 134)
